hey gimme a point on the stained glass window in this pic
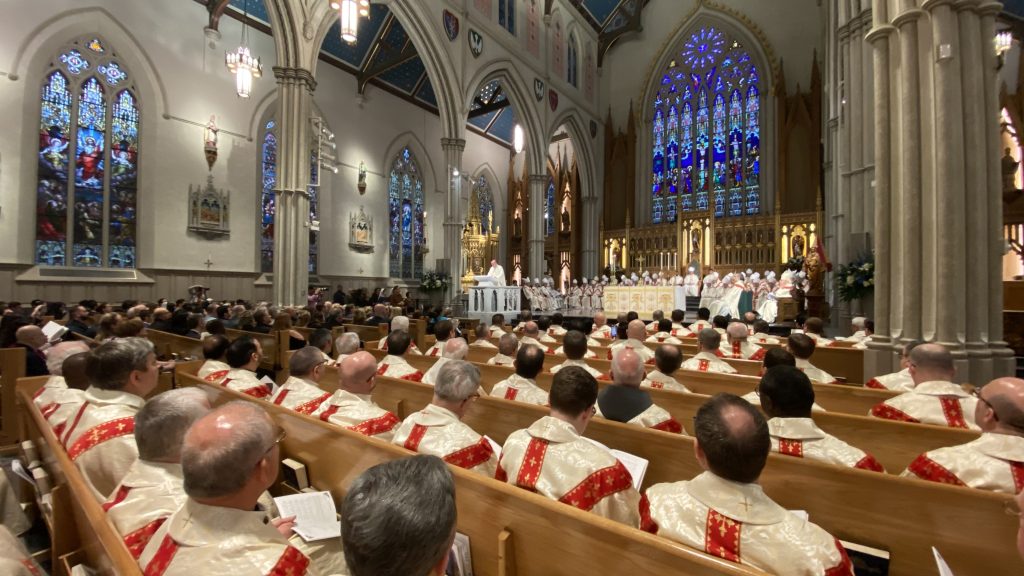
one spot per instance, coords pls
(405, 209)
(485, 201)
(86, 205)
(572, 60)
(706, 130)
(507, 15)
(549, 209)
(314, 214)
(268, 156)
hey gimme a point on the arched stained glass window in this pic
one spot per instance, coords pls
(549, 209)
(485, 201)
(706, 130)
(507, 15)
(405, 210)
(572, 61)
(87, 203)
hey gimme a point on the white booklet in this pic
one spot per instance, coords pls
(636, 465)
(940, 562)
(273, 385)
(316, 517)
(54, 331)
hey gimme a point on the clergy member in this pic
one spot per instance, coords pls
(65, 388)
(624, 401)
(497, 272)
(522, 386)
(725, 512)
(244, 356)
(667, 359)
(635, 334)
(214, 348)
(399, 323)
(663, 333)
(351, 405)
(897, 381)
(394, 364)
(508, 344)
(706, 359)
(574, 347)
(301, 392)
(802, 347)
(454, 349)
(739, 346)
(934, 399)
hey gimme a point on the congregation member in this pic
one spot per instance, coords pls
(380, 316)
(443, 330)
(301, 392)
(351, 406)
(320, 339)
(522, 386)
(483, 334)
(32, 339)
(787, 397)
(243, 356)
(897, 381)
(556, 328)
(635, 334)
(532, 337)
(802, 347)
(497, 327)
(739, 345)
(624, 401)
(814, 328)
(760, 335)
(395, 503)
(394, 365)
(454, 349)
(524, 317)
(707, 357)
(574, 348)
(152, 489)
(725, 512)
(508, 344)
(552, 458)
(77, 315)
(995, 461)
(346, 344)
(667, 360)
(229, 457)
(214, 349)
(601, 328)
(935, 399)
(98, 434)
(663, 333)
(400, 323)
(438, 429)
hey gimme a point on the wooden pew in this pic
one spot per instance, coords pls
(12, 367)
(511, 531)
(847, 363)
(170, 346)
(79, 529)
(368, 333)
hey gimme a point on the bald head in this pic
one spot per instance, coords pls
(627, 368)
(636, 330)
(531, 329)
(455, 349)
(931, 362)
(73, 369)
(737, 332)
(357, 373)
(732, 438)
(1001, 409)
(226, 452)
(600, 319)
(31, 336)
(508, 344)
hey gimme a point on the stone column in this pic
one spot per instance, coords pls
(535, 246)
(291, 219)
(453, 149)
(591, 237)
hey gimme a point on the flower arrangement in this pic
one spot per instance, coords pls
(796, 263)
(856, 279)
(433, 281)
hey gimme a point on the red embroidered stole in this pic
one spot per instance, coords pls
(533, 461)
(598, 486)
(883, 410)
(737, 350)
(1017, 471)
(791, 447)
(291, 563)
(722, 536)
(119, 496)
(511, 393)
(216, 376)
(647, 524)
(101, 433)
(312, 405)
(874, 383)
(927, 469)
(670, 425)
(868, 462)
(845, 566)
(375, 426)
(162, 559)
(953, 411)
(703, 365)
(415, 437)
(471, 456)
(138, 540)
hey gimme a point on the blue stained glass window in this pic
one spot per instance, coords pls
(549, 209)
(268, 159)
(711, 93)
(87, 183)
(507, 15)
(314, 214)
(485, 201)
(405, 216)
(572, 60)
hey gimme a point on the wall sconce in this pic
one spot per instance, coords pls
(362, 178)
(210, 141)
(518, 138)
(1003, 43)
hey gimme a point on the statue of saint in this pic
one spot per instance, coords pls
(1009, 171)
(815, 274)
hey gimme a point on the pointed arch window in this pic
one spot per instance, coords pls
(706, 130)
(405, 209)
(268, 202)
(507, 15)
(87, 182)
(572, 61)
(549, 209)
(485, 201)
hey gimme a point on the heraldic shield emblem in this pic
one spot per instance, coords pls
(553, 99)
(538, 89)
(476, 43)
(451, 25)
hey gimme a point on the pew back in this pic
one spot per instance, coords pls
(12, 367)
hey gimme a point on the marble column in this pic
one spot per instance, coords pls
(291, 218)
(453, 149)
(535, 246)
(591, 238)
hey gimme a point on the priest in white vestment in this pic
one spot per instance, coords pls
(399, 323)
(601, 328)
(803, 347)
(454, 349)
(301, 392)
(522, 386)
(394, 364)
(243, 356)
(708, 354)
(497, 272)
(934, 399)
(65, 389)
(636, 332)
(993, 462)
(738, 345)
(725, 512)
(897, 381)
(663, 333)
(508, 345)
(574, 347)
(351, 405)
(215, 346)
(667, 360)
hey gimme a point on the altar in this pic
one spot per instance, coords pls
(487, 300)
(644, 300)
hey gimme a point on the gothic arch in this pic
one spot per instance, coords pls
(423, 161)
(584, 146)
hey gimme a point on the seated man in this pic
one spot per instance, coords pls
(574, 347)
(897, 381)
(814, 328)
(525, 317)
(787, 397)
(934, 399)
(601, 328)
(678, 330)
(657, 316)
(301, 392)
(497, 327)
(243, 356)
(347, 343)
(508, 344)
(214, 348)
(739, 347)
(32, 339)
(14, 559)
(438, 429)
(63, 389)
(442, 331)
(703, 321)
(351, 406)
(552, 458)
(321, 340)
(663, 334)
(228, 459)
(522, 386)
(725, 513)
(153, 489)
(394, 365)
(543, 325)
(857, 324)
(454, 349)
(482, 338)
(667, 359)
(624, 401)
(587, 352)
(720, 323)
(802, 347)
(556, 328)
(531, 336)
(635, 334)
(996, 460)
(772, 358)
(98, 434)
(706, 360)
(400, 323)
(760, 335)
(395, 503)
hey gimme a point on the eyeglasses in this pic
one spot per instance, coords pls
(281, 433)
(757, 389)
(976, 392)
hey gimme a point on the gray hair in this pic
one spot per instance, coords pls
(709, 339)
(305, 360)
(627, 367)
(395, 503)
(508, 344)
(455, 348)
(112, 362)
(457, 380)
(213, 469)
(400, 323)
(161, 423)
(347, 343)
(320, 338)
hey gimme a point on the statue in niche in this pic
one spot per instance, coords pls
(798, 246)
(815, 274)
(565, 215)
(360, 231)
(517, 223)
(1009, 169)
(695, 242)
